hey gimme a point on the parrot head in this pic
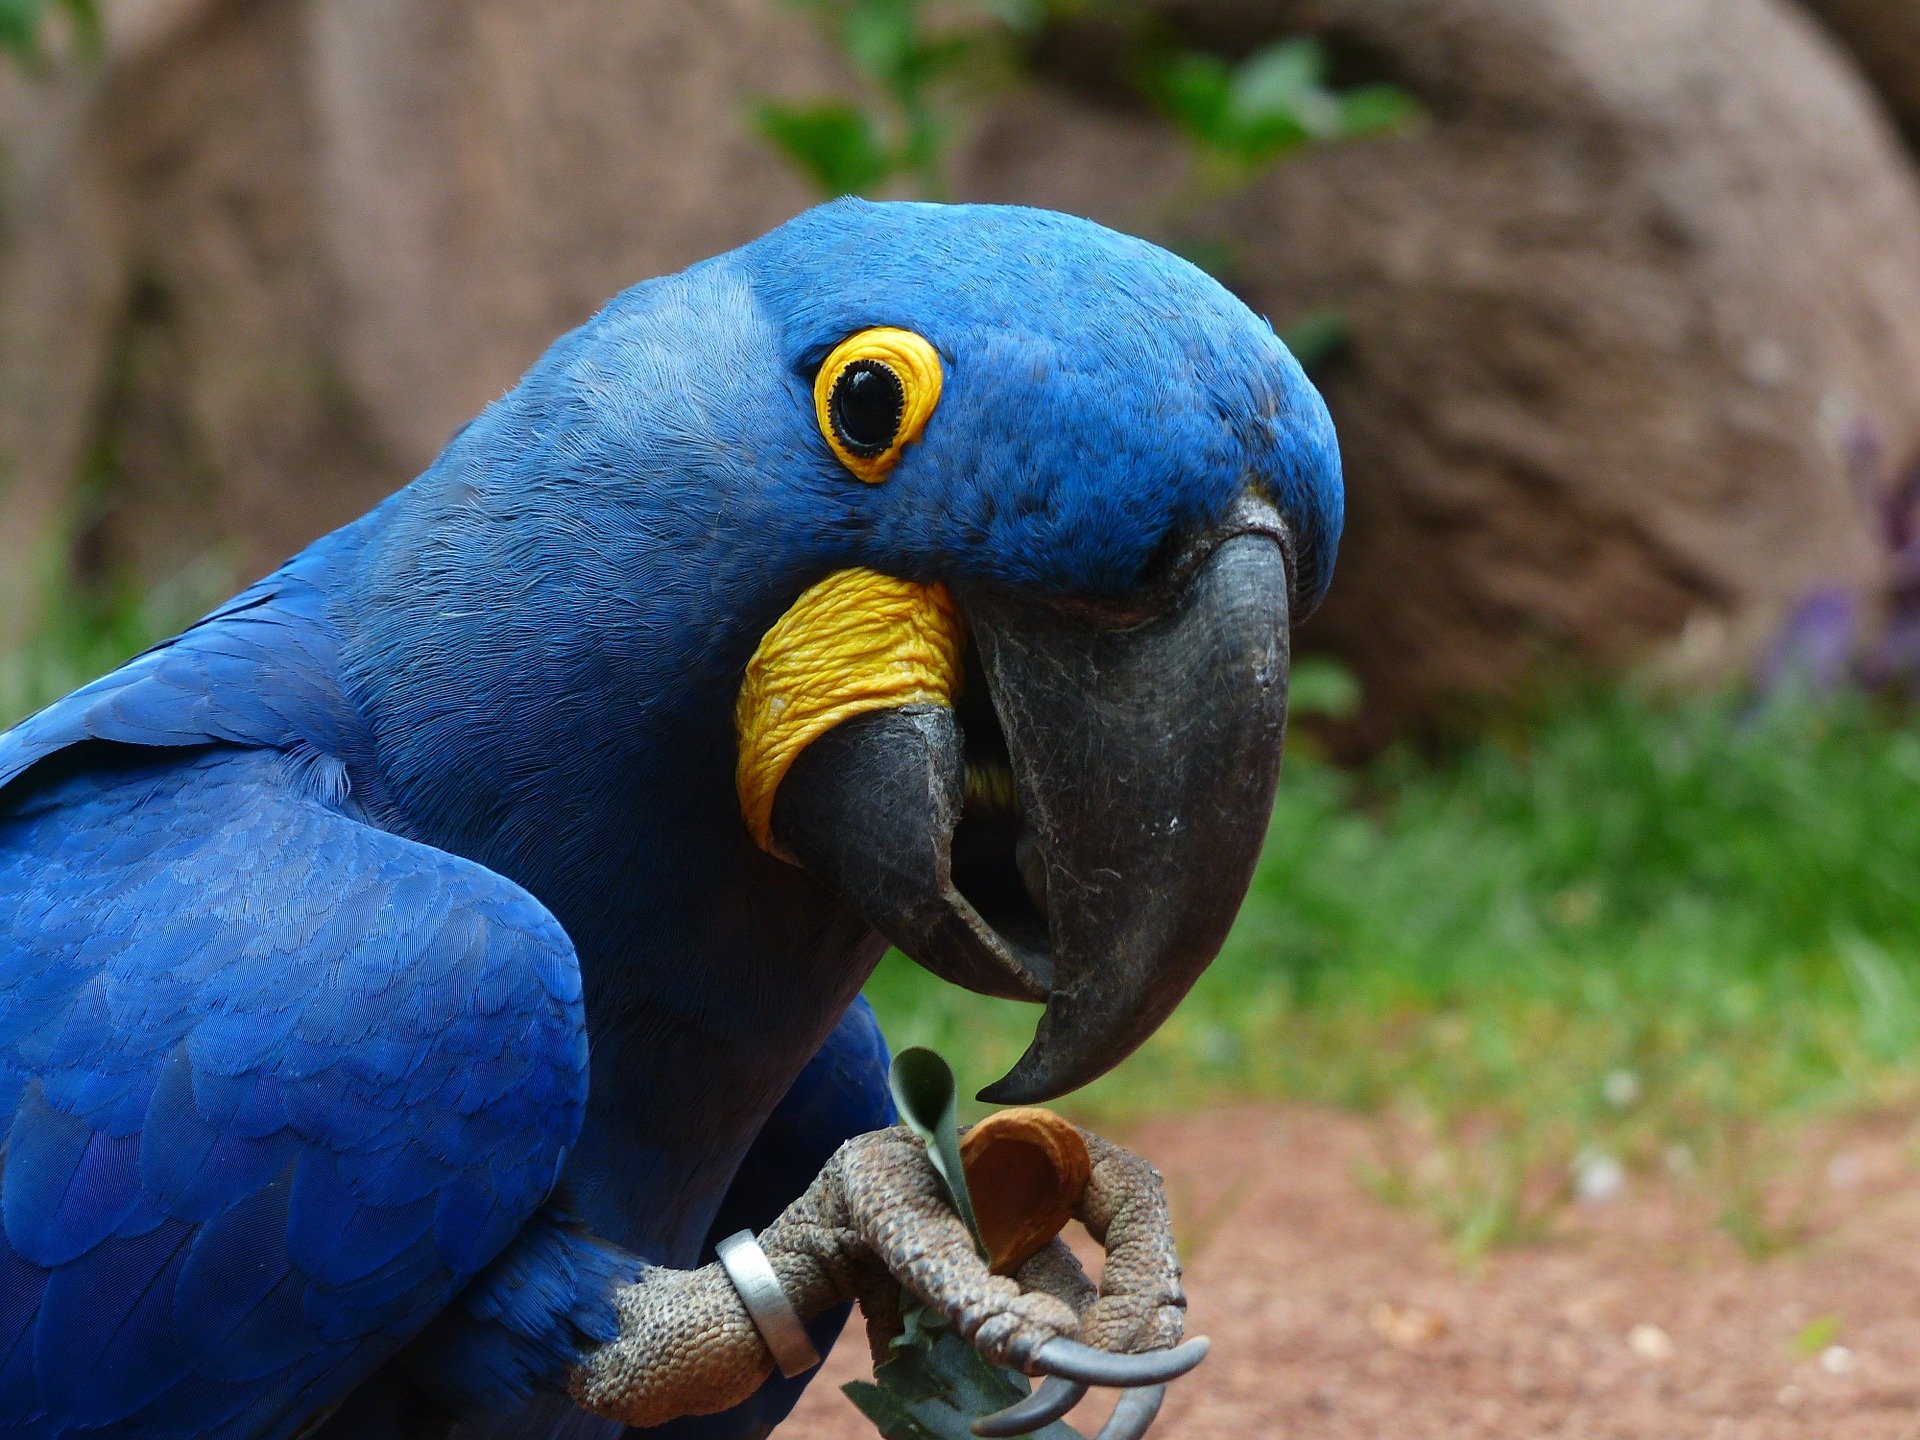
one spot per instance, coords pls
(988, 527)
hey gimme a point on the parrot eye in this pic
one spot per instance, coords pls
(866, 406)
(872, 398)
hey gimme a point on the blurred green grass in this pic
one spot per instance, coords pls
(1661, 935)
(1653, 935)
(85, 630)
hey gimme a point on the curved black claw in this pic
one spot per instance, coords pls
(1051, 1399)
(1134, 1413)
(1071, 1360)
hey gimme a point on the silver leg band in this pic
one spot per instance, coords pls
(767, 1304)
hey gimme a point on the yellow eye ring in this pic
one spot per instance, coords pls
(872, 398)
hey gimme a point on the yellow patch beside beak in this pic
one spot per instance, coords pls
(855, 642)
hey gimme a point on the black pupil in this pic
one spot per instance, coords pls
(868, 401)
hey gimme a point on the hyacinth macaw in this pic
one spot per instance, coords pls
(390, 971)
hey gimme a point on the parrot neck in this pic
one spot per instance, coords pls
(587, 754)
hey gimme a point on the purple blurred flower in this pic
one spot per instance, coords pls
(1835, 636)
(1814, 651)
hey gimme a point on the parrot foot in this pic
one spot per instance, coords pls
(877, 1219)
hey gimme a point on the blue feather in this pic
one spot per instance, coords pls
(222, 1236)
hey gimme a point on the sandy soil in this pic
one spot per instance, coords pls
(1335, 1315)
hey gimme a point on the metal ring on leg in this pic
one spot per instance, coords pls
(767, 1304)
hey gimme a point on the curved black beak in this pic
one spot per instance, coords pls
(1083, 829)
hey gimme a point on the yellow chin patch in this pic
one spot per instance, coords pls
(855, 642)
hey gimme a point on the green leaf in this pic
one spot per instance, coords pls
(22, 21)
(1192, 89)
(881, 37)
(894, 1417)
(918, 1324)
(20, 27)
(1243, 115)
(1278, 82)
(899, 129)
(1247, 115)
(17, 25)
(928, 1101)
(1376, 110)
(837, 145)
(955, 1370)
(1279, 102)
(937, 1391)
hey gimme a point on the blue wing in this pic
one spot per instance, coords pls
(274, 1085)
(262, 670)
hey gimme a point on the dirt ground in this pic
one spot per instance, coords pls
(1335, 1315)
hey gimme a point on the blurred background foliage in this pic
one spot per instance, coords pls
(1618, 911)
(23, 24)
(1238, 115)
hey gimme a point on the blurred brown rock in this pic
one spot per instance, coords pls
(268, 260)
(1619, 311)
(1884, 37)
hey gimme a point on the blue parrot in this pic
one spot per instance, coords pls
(388, 968)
